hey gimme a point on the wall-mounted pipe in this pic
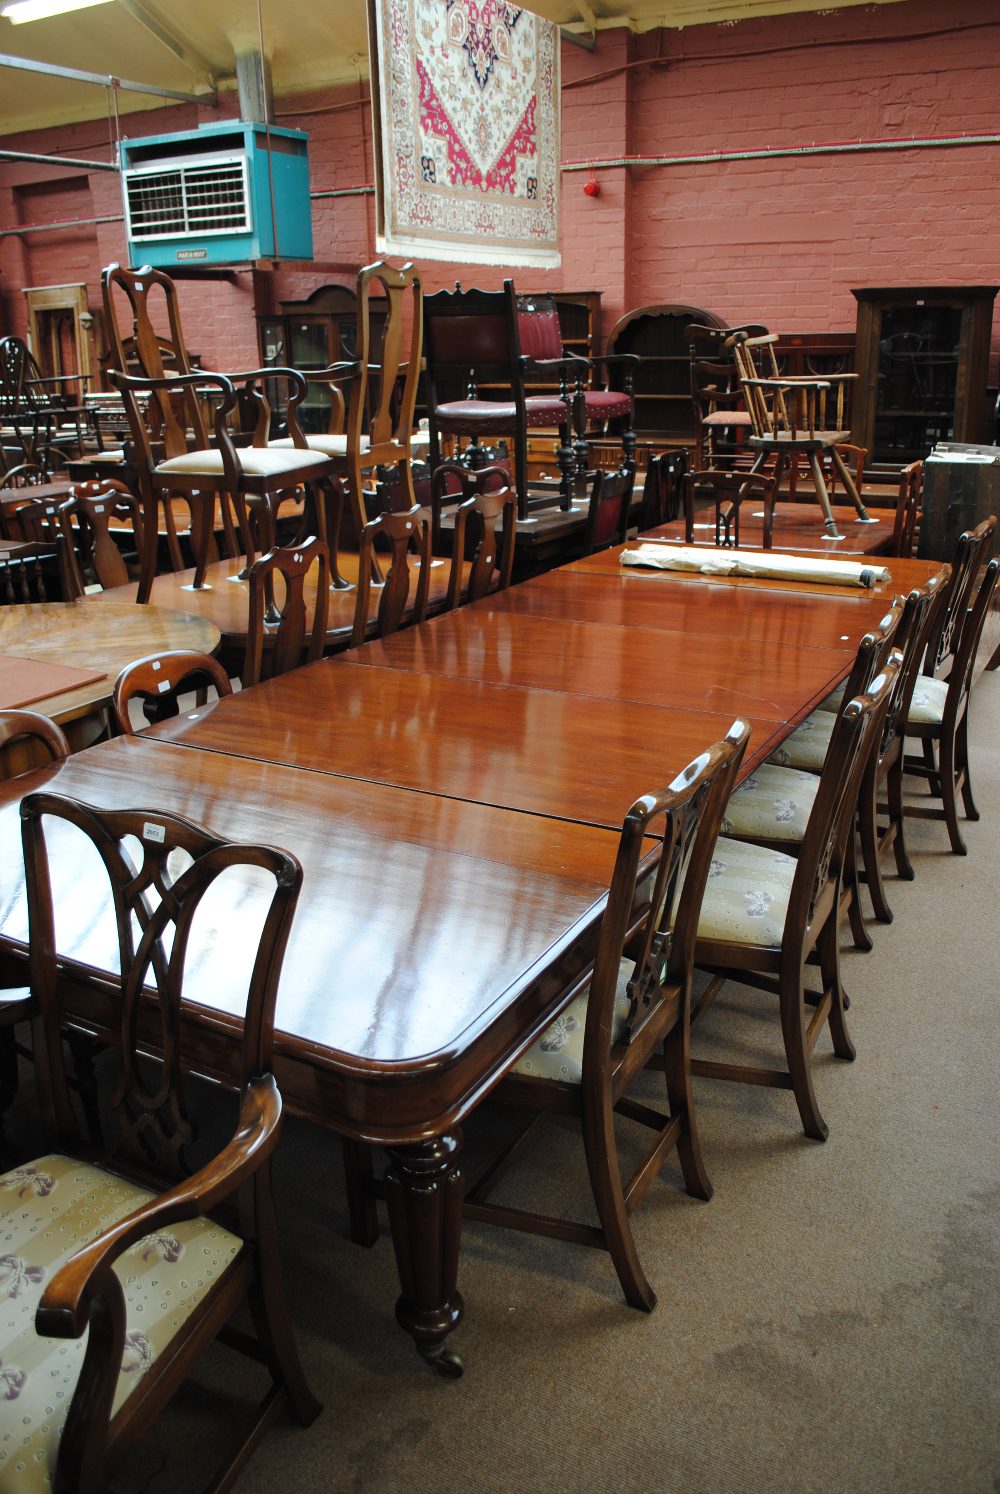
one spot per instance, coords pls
(64, 223)
(775, 152)
(27, 155)
(344, 192)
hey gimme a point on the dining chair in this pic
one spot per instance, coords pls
(25, 738)
(86, 518)
(726, 492)
(971, 554)
(125, 1276)
(721, 419)
(766, 913)
(476, 385)
(609, 514)
(197, 470)
(38, 571)
(486, 526)
(908, 506)
(158, 680)
(772, 806)
(381, 389)
(408, 536)
(25, 475)
(939, 719)
(789, 416)
(661, 489)
(632, 1012)
(282, 637)
(451, 483)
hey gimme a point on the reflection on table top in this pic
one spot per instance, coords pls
(797, 526)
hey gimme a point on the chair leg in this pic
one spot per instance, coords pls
(897, 817)
(962, 763)
(8, 1071)
(948, 799)
(270, 1309)
(861, 936)
(358, 1172)
(870, 857)
(797, 1051)
(850, 488)
(828, 949)
(605, 1180)
(822, 496)
(680, 1098)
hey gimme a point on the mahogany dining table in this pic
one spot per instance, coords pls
(455, 794)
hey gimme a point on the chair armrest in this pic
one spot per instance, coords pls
(805, 384)
(173, 381)
(630, 360)
(569, 362)
(64, 1311)
(290, 375)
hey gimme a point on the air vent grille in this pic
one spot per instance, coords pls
(167, 201)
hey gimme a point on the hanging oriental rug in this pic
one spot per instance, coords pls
(465, 99)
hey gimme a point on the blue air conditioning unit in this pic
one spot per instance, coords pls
(205, 196)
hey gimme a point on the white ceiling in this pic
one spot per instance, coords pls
(311, 43)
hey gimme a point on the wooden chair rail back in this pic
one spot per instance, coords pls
(452, 483)
(294, 637)
(970, 552)
(728, 491)
(90, 511)
(662, 489)
(17, 727)
(406, 533)
(391, 409)
(610, 511)
(908, 506)
(38, 571)
(157, 680)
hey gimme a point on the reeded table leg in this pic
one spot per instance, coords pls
(423, 1189)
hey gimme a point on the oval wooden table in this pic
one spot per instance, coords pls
(97, 634)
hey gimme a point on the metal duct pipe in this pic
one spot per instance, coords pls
(27, 155)
(774, 152)
(6, 233)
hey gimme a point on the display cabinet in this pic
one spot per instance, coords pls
(922, 357)
(664, 411)
(310, 335)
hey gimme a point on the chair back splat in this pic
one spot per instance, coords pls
(634, 1014)
(292, 636)
(408, 534)
(170, 882)
(610, 512)
(158, 679)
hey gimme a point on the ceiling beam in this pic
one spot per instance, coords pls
(104, 80)
(167, 37)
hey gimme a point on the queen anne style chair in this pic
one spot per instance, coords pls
(472, 344)
(633, 1013)
(157, 681)
(765, 913)
(727, 492)
(87, 517)
(282, 638)
(381, 395)
(197, 470)
(939, 718)
(120, 1284)
(789, 417)
(485, 524)
(409, 538)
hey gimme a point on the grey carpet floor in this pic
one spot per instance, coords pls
(828, 1322)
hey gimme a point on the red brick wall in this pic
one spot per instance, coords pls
(776, 240)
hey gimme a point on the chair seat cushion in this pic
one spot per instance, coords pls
(331, 445)
(606, 404)
(717, 418)
(771, 803)
(927, 701)
(746, 896)
(469, 417)
(558, 1053)
(48, 1209)
(806, 746)
(255, 461)
(834, 700)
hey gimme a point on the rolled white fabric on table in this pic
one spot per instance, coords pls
(766, 563)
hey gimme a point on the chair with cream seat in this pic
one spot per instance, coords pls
(632, 1013)
(123, 1274)
(766, 913)
(939, 718)
(382, 392)
(175, 407)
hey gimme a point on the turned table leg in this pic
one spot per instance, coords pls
(423, 1189)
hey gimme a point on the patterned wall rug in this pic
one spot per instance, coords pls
(466, 109)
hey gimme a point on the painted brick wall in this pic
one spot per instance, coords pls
(776, 240)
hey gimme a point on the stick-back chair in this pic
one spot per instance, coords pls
(633, 1012)
(765, 913)
(721, 419)
(282, 638)
(158, 680)
(789, 419)
(168, 463)
(127, 1276)
(409, 538)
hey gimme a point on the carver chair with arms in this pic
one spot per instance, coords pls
(789, 419)
(157, 681)
(125, 1275)
(721, 419)
(632, 1013)
(282, 638)
(765, 913)
(381, 396)
(175, 406)
(471, 346)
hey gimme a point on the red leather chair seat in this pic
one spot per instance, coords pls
(471, 417)
(606, 404)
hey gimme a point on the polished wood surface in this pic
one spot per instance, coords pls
(100, 633)
(797, 526)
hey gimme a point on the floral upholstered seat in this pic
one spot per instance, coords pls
(558, 1053)
(834, 700)
(927, 700)
(771, 803)
(746, 898)
(806, 746)
(49, 1209)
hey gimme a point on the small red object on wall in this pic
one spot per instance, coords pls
(592, 186)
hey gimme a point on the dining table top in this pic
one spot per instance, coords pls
(797, 526)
